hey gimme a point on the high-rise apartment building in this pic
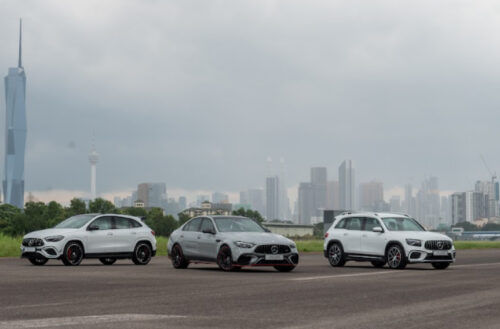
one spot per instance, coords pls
(306, 203)
(15, 132)
(254, 198)
(371, 196)
(346, 185)
(272, 198)
(332, 195)
(153, 195)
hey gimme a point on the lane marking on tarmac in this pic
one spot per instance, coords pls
(83, 320)
(342, 275)
(379, 273)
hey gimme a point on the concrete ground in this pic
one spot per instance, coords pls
(315, 295)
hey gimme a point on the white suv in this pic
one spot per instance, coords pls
(104, 236)
(385, 238)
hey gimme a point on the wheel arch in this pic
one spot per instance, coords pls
(144, 241)
(332, 242)
(391, 243)
(80, 242)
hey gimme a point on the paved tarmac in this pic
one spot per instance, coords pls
(315, 295)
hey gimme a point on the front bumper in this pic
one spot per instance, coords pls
(47, 251)
(256, 259)
(431, 256)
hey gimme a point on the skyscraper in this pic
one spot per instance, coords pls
(272, 198)
(154, 195)
(15, 132)
(371, 196)
(346, 185)
(93, 159)
(306, 208)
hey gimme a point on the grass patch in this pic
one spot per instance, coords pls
(9, 246)
(461, 245)
(309, 245)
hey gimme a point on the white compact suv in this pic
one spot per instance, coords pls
(231, 242)
(104, 236)
(382, 238)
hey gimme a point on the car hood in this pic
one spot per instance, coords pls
(423, 235)
(49, 232)
(257, 237)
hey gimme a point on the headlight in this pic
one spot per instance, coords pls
(414, 242)
(293, 246)
(54, 238)
(242, 244)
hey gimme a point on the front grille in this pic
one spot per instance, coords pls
(438, 245)
(273, 262)
(32, 242)
(269, 248)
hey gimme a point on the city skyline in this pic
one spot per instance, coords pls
(301, 105)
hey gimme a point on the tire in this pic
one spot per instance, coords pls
(396, 258)
(108, 261)
(142, 254)
(73, 254)
(441, 265)
(38, 260)
(178, 259)
(286, 268)
(225, 259)
(378, 264)
(336, 255)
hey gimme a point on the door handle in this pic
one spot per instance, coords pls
(134, 233)
(109, 234)
(346, 233)
(199, 237)
(364, 235)
(182, 236)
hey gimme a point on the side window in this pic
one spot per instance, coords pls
(103, 223)
(354, 224)
(342, 223)
(207, 224)
(121, 223)
(134, 223)
(370, 223)
(194, 225)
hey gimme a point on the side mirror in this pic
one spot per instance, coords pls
(377, 229)
(267, 230)
(209, 231)
(93, 227)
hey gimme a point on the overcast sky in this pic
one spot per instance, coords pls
(198, 94)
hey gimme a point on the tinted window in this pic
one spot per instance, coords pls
(207, 225)
(402, 224)
(193, 225)
(103, 223)
(121, 222)
(237, 224)
(342, 223)
(75, 221)
(354, 224)
(370, 223)
(135, 223)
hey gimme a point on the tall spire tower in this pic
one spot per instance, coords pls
(15, 132)
(93, 159)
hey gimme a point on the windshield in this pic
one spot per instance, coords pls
(237, 224)
(402, 224)
(75, 221)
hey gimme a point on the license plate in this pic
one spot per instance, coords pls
(29, 249)
(274, 257)
(440, 253)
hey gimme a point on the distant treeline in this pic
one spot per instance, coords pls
(39, 216)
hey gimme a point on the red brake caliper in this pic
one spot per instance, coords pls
(69, 253)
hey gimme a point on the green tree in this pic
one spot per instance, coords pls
(54, 213)
(466, 226)
(101, 206)
(7, 213)
(183, 218)
(161, 224)
(132, 211)
(253, 214)
(76, 207)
